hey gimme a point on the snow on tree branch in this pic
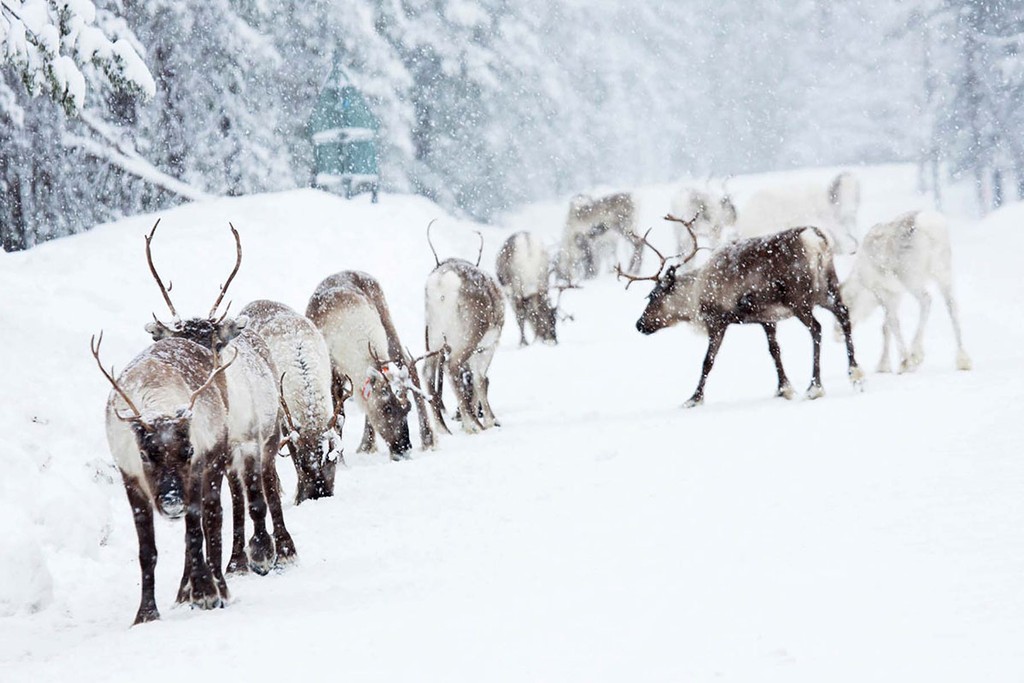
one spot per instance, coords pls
(54, 44)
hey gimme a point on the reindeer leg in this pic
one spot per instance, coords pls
(519, 306)
(785, 389)
(815, 389)
(142, 513)
(834, 304)
(924, 301)
(369, 442)
(238, 563)
(463, 378)
(427, 438)
(892, 320)
(261, 548)
(213, 522)
(963, 361)
(479, 363)
(432, 369)
(283, 544)
(715, 336)
(199, 590)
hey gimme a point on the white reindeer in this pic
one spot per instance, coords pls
(713, 213)
(832, 209)
(904, 254)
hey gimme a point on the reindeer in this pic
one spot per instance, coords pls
(833, 209)
(714, 212)
(313, 405)
(170, 443)
(760, 280)
(904, 254)
(465, 312)
(350, 310)
(523, 268)
(592, 233)
(253, 419)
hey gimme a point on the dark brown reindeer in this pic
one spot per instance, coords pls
(253, 420)
(350, 310)
(760, 280)
(465, 312)
(313, 406)
(170, 443)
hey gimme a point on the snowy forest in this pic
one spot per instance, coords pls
(115, 107)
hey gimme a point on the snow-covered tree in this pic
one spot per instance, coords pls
(57, 46)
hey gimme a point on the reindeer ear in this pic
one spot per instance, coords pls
(158, 330)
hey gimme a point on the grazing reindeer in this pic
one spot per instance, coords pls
(314, 416)
(713, 213)
(253, 419)
(171, 445)
(465, 312)
(350, 310)
(904, 254)
(761, 280)
(523, 268)
(833, 209)
(592, 233)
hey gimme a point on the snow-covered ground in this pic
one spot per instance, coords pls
(602, 533)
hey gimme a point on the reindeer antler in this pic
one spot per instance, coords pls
(481, 251)
(213, 375)
(619, 273)
(343, 390)
(689, 229)
(94, 345)
(417, 359)
(238, 262)
(561, 290)
(437, 261)
(287, 416)
(152, 269)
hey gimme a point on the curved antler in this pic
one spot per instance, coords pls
(437, 261)
(343, 390)
(287, 416)
(213, 375)
(94, 345)
(689, 229)
(238, 262)
(481, 251)
(619, 273)
(152, 269)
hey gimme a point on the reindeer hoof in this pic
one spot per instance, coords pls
(883, 369)
(963, 361)
(146, 614)
(261, 554)
(694, 402)
(786, 392)
(238, 566)
(814, 391)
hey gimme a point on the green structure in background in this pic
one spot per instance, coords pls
(344, 133)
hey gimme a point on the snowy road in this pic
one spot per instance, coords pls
(602, 533)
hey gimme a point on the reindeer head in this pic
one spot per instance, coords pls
(316, 453)
(164, 442)
(385, 390)
(543, 316)
(670, 301)
(210, 332)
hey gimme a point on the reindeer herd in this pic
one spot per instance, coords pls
(218, 397)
